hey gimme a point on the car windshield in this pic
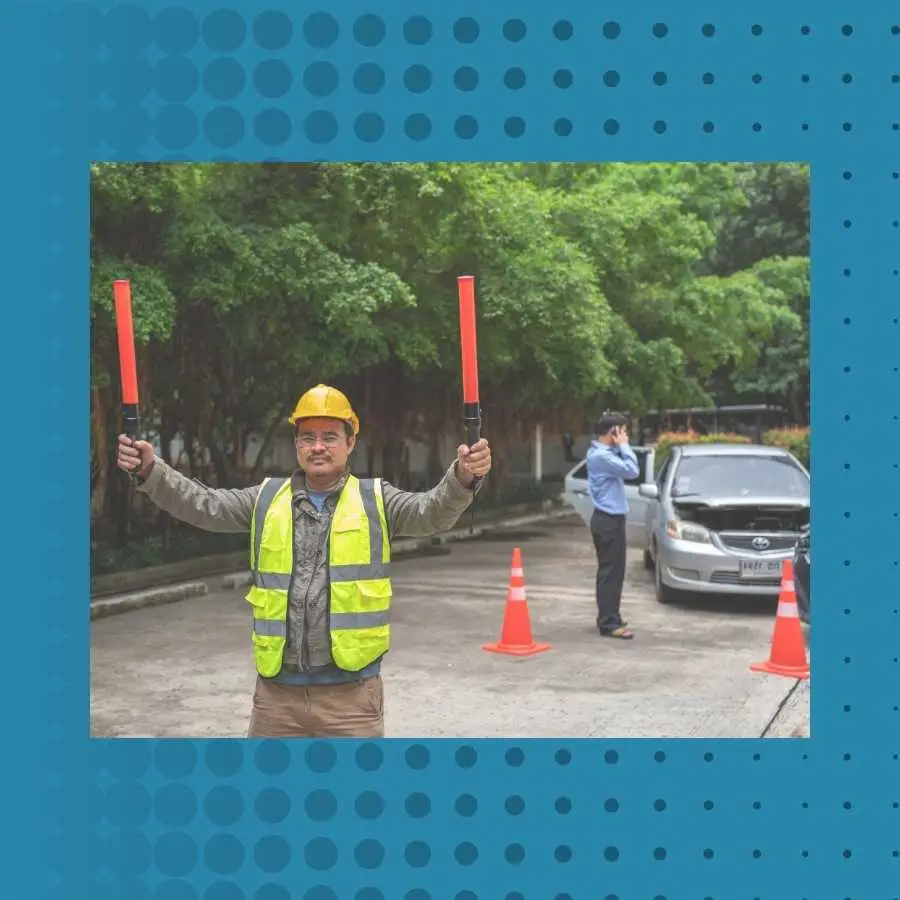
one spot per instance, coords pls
(739, 476)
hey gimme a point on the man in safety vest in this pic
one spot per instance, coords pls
(320, 552)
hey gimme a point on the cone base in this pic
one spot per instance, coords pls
(516, 650)
(770, 668)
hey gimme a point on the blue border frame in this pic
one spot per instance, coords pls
(220, 820)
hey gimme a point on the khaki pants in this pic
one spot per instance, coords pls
(352, 710)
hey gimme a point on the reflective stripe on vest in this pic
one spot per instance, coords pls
(358, 568)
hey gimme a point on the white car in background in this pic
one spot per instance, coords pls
(578, 496)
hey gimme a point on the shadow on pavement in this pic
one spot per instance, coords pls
(727, 604)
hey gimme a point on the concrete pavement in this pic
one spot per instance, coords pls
(186, 670)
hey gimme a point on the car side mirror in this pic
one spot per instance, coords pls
(649, 491)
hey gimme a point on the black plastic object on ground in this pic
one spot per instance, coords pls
(802, 574)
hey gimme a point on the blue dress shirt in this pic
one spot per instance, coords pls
(608, 467)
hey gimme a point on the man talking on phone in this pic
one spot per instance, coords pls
(610, 461)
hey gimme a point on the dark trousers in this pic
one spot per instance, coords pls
(611, 545)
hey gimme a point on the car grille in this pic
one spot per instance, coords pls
(734, 578)
(743, 543)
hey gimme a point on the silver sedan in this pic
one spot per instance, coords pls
(723, 518)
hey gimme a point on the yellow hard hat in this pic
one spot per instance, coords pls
(324, 402)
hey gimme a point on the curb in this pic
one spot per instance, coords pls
(792, 719)
(111, 606)
(152, 577)
(123, 603)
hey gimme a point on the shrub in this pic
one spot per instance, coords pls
(794, 440)
(669, 439)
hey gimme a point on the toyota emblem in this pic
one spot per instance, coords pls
(760, 543)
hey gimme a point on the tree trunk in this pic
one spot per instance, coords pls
(207, 439)
(122, 494)
(237, 448)
(190, 450)
(100, 454)
(268, 437)
(434, 467)
(797, 415)
(405, 482)
(221, 465)
(166, 434)
(499, 433)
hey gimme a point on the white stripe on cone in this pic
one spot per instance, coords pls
(518, 573)
(787, 610)
(517, 593)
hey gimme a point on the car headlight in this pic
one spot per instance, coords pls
(687, 531)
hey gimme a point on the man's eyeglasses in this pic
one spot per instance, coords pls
(329, 439)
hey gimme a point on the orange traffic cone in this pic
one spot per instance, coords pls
(788, 654)
(516, 638)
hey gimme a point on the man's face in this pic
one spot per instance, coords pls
(323, 447)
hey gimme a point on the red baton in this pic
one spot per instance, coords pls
(127, 360)
(469, 347)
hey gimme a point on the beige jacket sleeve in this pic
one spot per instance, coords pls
(409, 513)
(424, 513)
(223, 510)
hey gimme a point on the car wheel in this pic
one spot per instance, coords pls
(648, 561)
(664, 594)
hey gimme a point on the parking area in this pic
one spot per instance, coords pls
(186, 670)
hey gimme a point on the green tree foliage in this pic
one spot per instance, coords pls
(634, 286)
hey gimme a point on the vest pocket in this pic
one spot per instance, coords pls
(360, 630)
(374, 595)
(269, 629)
(275, 541)
(360, 604)
(345, 537)
(347, 522)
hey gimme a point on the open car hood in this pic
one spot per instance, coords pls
(738, 502)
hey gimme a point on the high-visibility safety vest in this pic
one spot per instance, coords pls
(359, 556)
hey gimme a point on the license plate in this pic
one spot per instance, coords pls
(761, 568)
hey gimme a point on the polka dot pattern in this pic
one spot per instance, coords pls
(251, 820)
(226, 77)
